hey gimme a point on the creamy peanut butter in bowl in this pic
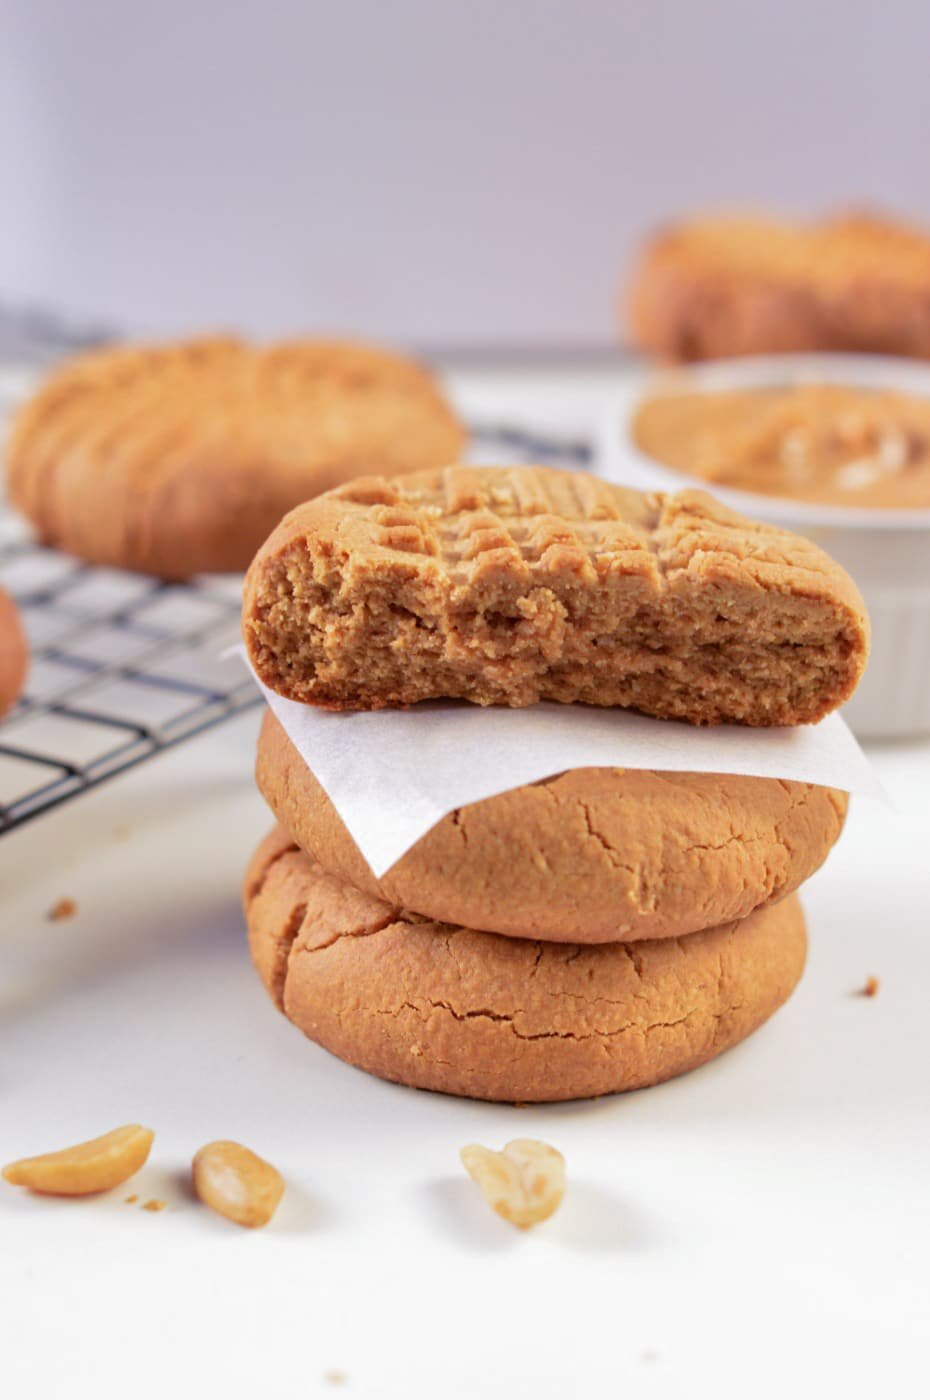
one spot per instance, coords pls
(831, 444)
(836, 447)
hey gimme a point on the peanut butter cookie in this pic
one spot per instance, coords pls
(179, 459)
(741, 286)
(14, 654)
(441, 1007)
(514, 585)
(593, 856)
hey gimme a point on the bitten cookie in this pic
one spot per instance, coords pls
(442, 1007)
(513, 585)
(593, 856)
(742, 286)
(14, 654)
(179, 459)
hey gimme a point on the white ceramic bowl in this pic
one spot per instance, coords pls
(887, 552)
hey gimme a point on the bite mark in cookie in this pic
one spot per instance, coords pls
(515, 585)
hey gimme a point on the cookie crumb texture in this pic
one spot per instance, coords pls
(447, 1008)
(179, 459)
(741, 286)
(596, 855)
(514, 585)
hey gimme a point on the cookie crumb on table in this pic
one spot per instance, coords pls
(130, 1200)
(64, 909)
(154, 1205)
(334, 1377)
(869, 988)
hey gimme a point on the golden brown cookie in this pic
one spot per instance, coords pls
(592, 856)
(741, 286)
(14, 654)
(179, 459)
(442, 1007)
(513, 585)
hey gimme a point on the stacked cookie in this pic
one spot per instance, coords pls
(599, 931)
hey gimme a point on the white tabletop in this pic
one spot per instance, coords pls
(760, 1227)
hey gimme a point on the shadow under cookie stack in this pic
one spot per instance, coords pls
(604, 929)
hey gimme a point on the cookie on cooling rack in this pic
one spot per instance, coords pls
(442, 1007)
(179, 459)
(14, 655)
(741, 286)
(514, 585)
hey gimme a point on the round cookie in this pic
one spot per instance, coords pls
(591, 856)
(180, 459)
(14, 654)
(710, 287)
(441, 1007)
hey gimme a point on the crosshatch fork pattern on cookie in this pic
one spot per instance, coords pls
(124, 666)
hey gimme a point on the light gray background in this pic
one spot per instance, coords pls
(438, 173)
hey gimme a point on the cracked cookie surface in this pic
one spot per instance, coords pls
(595, 855)
(14, 654)
(742, 286)
(179, 459)
(519, 584)
(437, 1006)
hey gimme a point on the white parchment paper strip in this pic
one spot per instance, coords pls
(392, 774)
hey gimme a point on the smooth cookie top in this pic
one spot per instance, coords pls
(591, 856)
(444, 1007)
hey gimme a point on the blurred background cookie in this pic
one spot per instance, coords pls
(713, 287)
(14, 655)
(179, 459)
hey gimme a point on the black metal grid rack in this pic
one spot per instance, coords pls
(124, 667)
(121, 668)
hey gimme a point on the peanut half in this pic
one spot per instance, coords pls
(237, 1183)
(86, 1168)
(524, 1183)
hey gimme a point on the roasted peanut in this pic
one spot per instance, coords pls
(86, 1168)
(524, 1183)
(236, 1183)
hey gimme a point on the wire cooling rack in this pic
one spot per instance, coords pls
(124, 666)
